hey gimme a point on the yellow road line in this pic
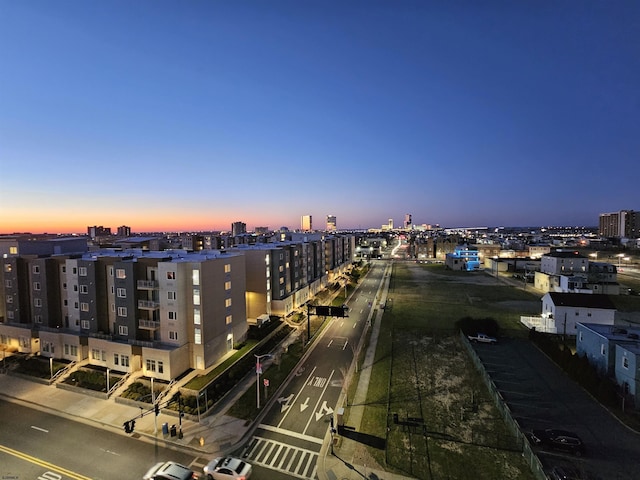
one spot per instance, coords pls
(42, 463)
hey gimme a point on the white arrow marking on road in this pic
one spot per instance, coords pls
(286, 401)
(324, 410)
(304, 405)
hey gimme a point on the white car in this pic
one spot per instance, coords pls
(169, 471)
(227, 468)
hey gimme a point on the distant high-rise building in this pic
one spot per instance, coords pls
(261, 230)
(390, 224)
(238, 228)
(124, 231)
(331, 223)
(306, 224)
(407, 220)
(622, 224)
(96, 231)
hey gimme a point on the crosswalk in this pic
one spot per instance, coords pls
(279, 456)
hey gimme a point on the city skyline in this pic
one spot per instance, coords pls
(166, 116)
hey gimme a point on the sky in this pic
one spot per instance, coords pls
(188, 116)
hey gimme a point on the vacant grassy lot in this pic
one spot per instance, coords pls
(447, 425)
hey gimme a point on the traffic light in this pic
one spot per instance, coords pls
(157, 409)
(133, 425)
(127, 427)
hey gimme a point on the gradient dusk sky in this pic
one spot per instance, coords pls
(190, 115)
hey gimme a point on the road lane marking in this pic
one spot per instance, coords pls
(42, 463)
(319, 398)
(304, 385)
(291, 433)
(39, 429)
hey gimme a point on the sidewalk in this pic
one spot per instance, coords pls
(216, 434)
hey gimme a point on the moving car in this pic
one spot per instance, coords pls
(227, 468)
(169, 471)
(562, 440)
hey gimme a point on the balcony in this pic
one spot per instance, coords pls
(148, 305)
(148, 324)
(147, 285)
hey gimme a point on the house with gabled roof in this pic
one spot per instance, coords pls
(561, 312)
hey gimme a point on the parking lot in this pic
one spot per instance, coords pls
(541, 396)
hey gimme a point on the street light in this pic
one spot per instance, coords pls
(258, 372)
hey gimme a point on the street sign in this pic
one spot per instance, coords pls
(266, 382)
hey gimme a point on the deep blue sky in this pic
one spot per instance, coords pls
(191, 115)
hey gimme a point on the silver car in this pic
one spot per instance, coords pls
(169, 471)
(227, 468)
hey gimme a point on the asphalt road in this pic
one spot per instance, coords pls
(35, 444)
(290, 437)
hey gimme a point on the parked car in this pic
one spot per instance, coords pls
(482, 338)
(227, 468)
(169, 471)
(562, 440)
(565, 473)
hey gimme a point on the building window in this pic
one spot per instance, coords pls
(227, 302)
(95, 354)
(75, 288)
(116, 357)
(151, 365)
(197, 337)
(7, 268)
(603, 350)
(121, 273)
(122, 311)
(74, 270)
(82, 271)
(84, 307)
(625, 363)
(173, 315)
(76, 305)
(37, 302)
(196, 296)
(36, 269)
(111, 271)
(173, 335)
(64, 269)
(171, 295)
(227, 286)
(7, 283)
(227, 268)
(36, 286)
(38, 318)
(10, 315)
(123, 330)
(84, 289)
(196, 316)
(84, 324)
(9, 299)
(228, 319)
(160, 367)
(171, 275)
(122, 293)
(124, 360)
(196, 277)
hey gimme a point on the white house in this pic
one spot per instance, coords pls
(565, 310)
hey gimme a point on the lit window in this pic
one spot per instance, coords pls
(197, 337)
(227, 285)
(121, 273)
(228, 319)
(227, 268)
(196, 277)
(196, 316)
(171, 275)
(7, 267)
(196, 296)
(227, 302)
